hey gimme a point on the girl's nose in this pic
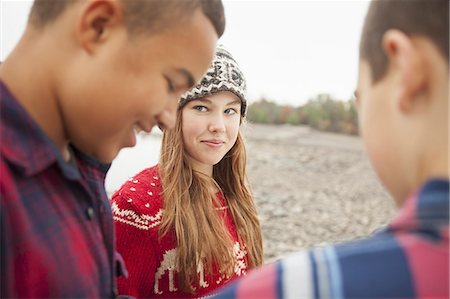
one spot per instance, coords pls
(217, 124)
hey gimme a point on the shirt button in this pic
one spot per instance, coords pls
(90, 213)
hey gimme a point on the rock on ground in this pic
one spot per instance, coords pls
(312, 188)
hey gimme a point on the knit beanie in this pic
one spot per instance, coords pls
(222, 75)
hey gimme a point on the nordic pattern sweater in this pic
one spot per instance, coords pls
(138, 208)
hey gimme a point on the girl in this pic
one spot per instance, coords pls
(188, 225)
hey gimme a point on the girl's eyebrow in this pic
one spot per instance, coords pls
(234, 102)
(202, 100)
(207, 100)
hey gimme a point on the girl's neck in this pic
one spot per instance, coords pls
(204, 169)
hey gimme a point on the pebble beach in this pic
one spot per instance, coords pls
(312, 188)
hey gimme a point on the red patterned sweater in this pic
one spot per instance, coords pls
(138, 208)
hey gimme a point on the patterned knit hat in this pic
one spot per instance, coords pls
(223, 75)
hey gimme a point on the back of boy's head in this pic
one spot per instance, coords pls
(141, 16)
(425, 18)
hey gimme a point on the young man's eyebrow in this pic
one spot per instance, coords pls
(188, 76)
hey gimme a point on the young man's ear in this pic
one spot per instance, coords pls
(406, 59)
(97, 21)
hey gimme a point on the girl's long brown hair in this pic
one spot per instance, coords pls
(190, 209)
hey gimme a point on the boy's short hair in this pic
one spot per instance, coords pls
(426, 18)
(142, 16)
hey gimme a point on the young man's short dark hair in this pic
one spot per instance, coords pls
(413, 17)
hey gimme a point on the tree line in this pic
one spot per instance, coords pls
(322, 113)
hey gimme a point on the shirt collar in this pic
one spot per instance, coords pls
(23, 143)
(428, 207)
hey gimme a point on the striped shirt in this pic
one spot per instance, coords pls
(408, 259)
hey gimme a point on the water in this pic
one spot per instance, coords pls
(132, 160)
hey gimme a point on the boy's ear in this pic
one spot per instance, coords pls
(406, 59)
(96, 22)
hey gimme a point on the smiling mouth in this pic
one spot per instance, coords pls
(213, 143)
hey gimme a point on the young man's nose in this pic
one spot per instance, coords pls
(167, 118)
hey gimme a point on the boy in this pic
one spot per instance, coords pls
(403, 112)
(84, 77)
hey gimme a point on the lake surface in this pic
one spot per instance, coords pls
(132, 160)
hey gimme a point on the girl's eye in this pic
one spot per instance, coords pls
(230, 111)
(200, 108)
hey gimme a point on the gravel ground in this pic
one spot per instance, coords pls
(312, 188)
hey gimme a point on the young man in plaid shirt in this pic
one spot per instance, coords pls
(83, 78)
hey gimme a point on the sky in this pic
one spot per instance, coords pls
(289, 51)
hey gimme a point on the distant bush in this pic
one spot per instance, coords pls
(322, 113)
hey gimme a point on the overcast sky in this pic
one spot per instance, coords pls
(289, 51)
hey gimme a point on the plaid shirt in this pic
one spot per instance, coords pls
(408, 259)
(57, 237)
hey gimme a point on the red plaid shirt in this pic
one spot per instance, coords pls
(57, 237)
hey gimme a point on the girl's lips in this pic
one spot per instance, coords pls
(213, 143)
